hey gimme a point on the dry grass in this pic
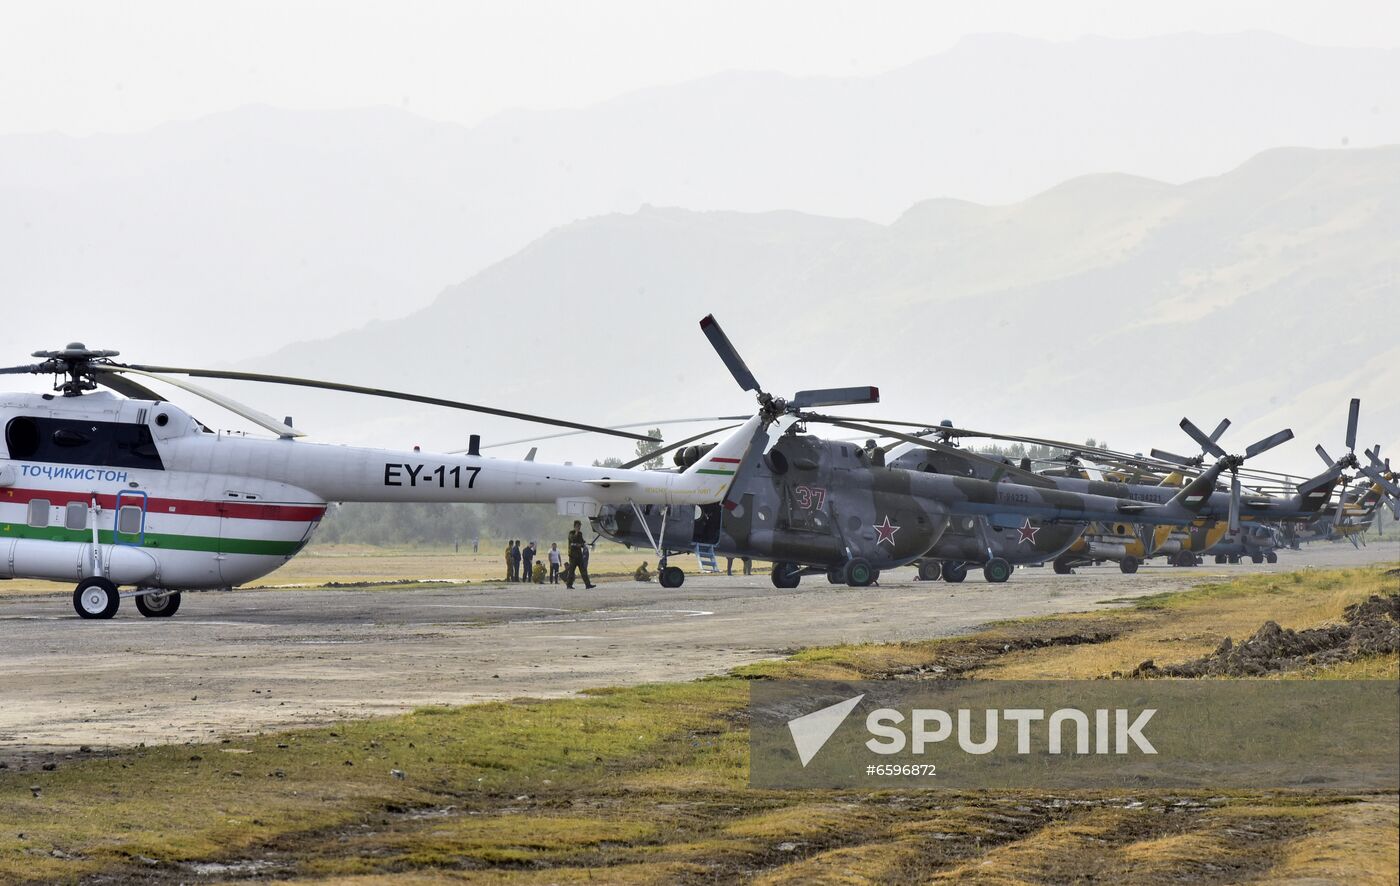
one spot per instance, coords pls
(1189, 624)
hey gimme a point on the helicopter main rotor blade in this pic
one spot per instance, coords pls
(1025, 478)
(31, 369)
(1353, 413)
(1268, 443)
(262, 419)
(1220, 429)
(641, 460)
(127, 387)
(1205, 442)
(835, 397)
(378, 392)
(637, 424)
(729, 354)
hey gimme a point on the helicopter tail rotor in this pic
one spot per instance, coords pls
(729, 354)
(774, 407)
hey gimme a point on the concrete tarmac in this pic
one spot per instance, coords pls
(231, 663)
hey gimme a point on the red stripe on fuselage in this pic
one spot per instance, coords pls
(242, 510)
(727, 461)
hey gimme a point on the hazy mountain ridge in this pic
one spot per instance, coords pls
(1267, 294)
(300, 223)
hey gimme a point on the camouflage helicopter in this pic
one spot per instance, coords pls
(1125, 540)
(1000, 542)
(1307, 500)
(816, 506)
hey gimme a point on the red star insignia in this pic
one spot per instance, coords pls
(886, 531)
(1027, 532)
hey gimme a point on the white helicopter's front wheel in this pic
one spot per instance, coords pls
(158, 605)
(96, 597)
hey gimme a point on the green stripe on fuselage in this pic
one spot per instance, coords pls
(712, 471)
(157, 540)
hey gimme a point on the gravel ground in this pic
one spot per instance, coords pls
(236, 662)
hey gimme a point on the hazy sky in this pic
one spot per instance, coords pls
(101, 66)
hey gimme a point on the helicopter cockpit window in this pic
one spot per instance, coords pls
(21, 437)
(75, 515)
(83, 442)
(39, 512)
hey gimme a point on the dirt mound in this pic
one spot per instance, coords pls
(1371, 628)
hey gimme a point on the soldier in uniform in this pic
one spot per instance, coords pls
(642, 573)
(578, 557)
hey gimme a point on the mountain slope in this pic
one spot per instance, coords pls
(1109, 305)
(240, 232)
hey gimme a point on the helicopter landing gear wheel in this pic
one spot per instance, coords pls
(96, 597)
(1234, 558)
(859, 573)
(1221, 558)
(1062, 567)
(786, 575)
(1271, 557)
(1128, 565)
(996, 570)
(1256, 557)
(1184, 558)
(930, 570)
(161, 605)
(671, 577)
(954, 571)
(836, 575)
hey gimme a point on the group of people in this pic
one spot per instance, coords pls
(525, 564)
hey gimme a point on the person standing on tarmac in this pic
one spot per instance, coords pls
(555, 559)
(578, 556)
(510, 573)
(528, 555)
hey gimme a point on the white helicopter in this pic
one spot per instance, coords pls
(112, 491)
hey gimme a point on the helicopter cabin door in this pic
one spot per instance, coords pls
(130, 528)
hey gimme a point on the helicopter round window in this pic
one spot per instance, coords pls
(763, 513)
(21, 437)
(162, 419)
(853, 523)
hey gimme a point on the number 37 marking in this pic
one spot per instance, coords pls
(809, 497)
